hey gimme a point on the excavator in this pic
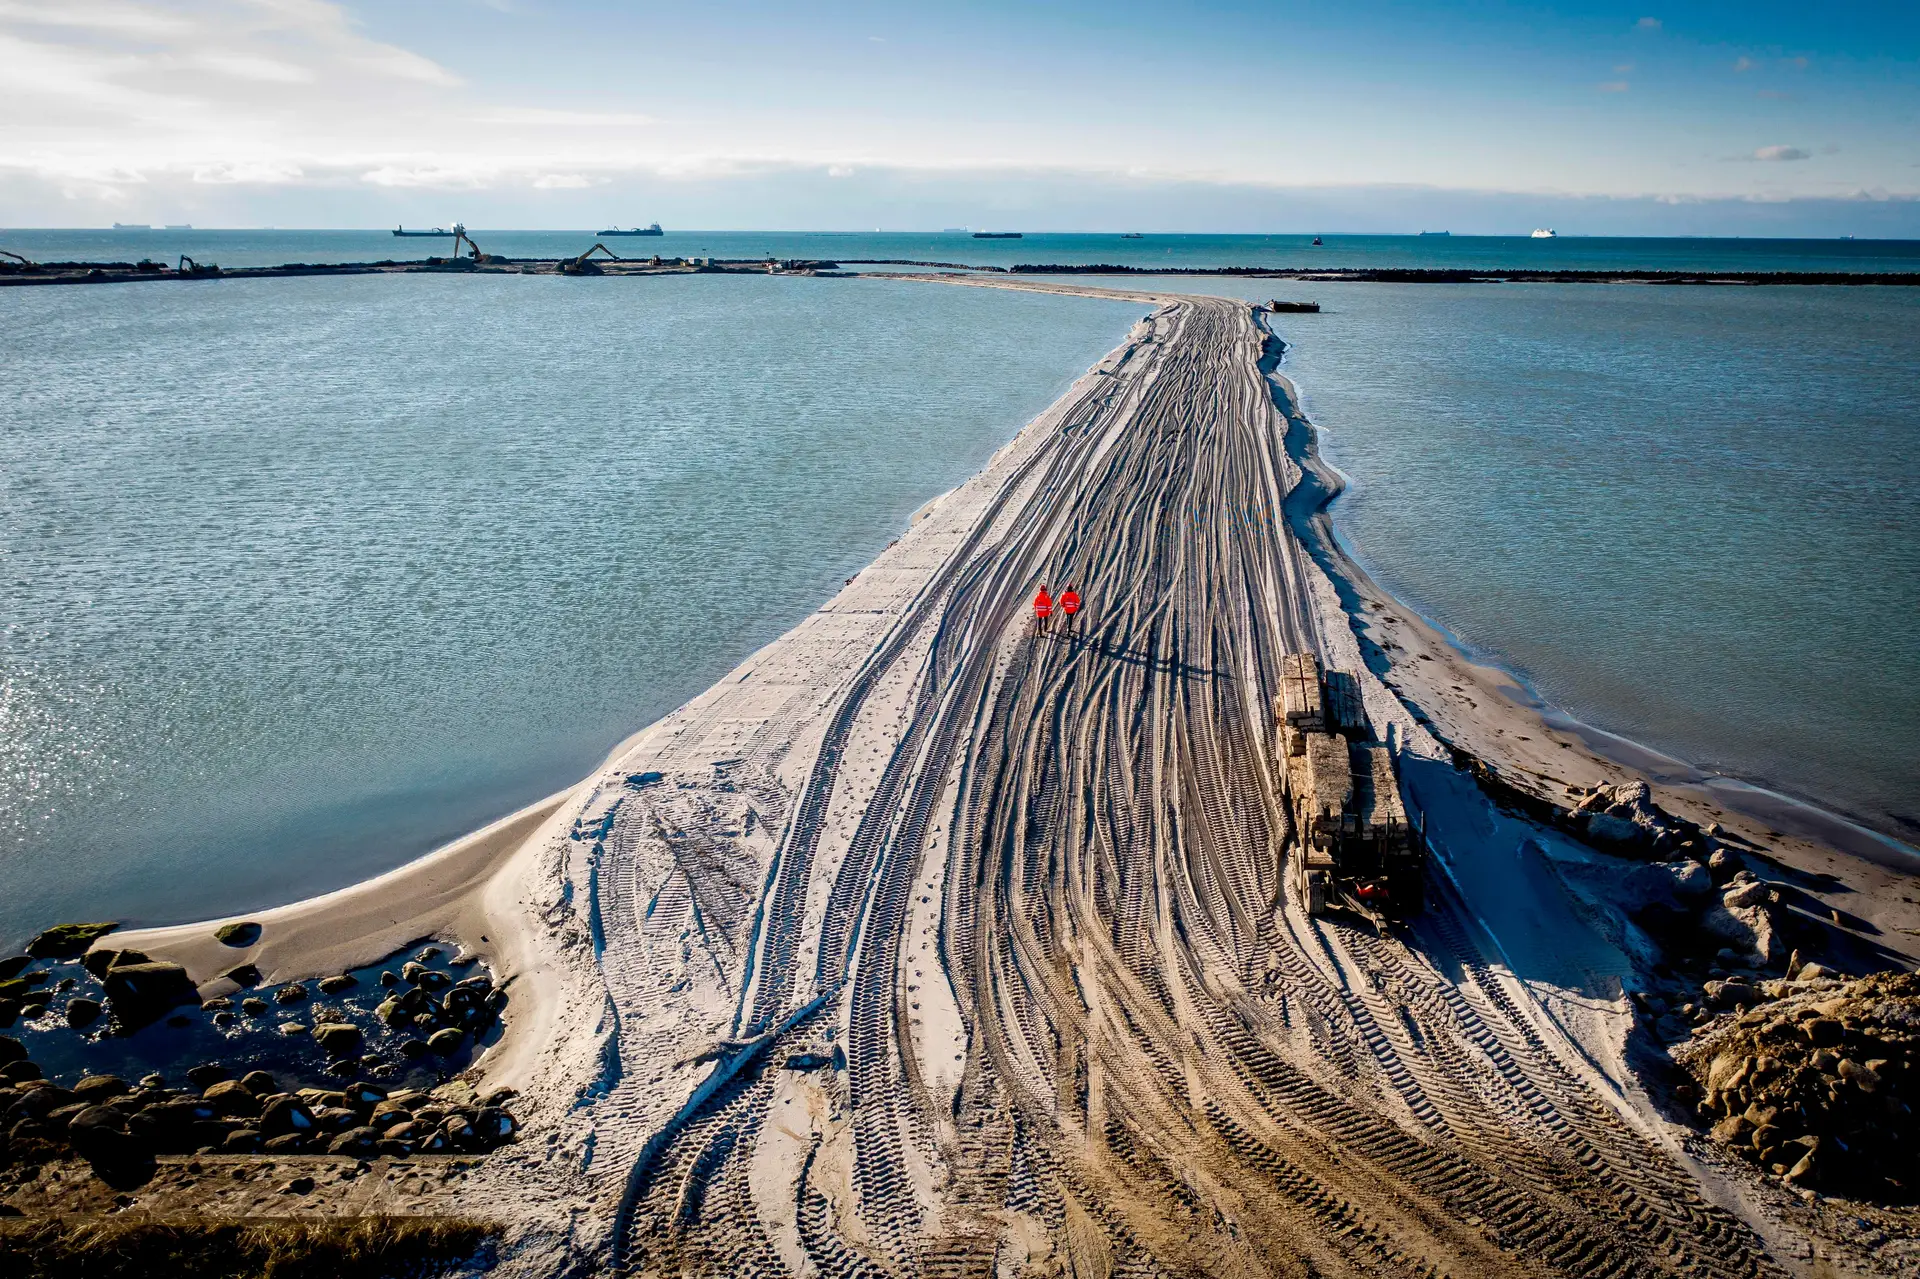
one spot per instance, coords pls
(188, 267)
(583, 265)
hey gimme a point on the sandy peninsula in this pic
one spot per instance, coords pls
(930, 941)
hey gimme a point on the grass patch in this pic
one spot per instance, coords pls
(261, 1248)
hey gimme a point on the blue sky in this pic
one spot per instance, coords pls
(1275, 116)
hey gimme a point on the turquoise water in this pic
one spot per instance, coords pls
(299, 578)
(1687, 516)
(270, 248)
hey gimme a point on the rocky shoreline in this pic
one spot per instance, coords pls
(387, 1080)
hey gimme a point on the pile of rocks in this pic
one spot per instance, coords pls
(440, 1011)
(114, 1124)
(1814, 1079)
(1693, 895)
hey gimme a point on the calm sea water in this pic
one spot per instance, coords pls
(1688, 516)
(299, 578)
(270, 248)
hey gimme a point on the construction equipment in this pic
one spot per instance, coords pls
(8, 253)
(188, 267)
(1355, 849)
(460, 237)
(584, 265)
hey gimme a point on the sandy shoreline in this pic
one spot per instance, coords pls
(631, 908)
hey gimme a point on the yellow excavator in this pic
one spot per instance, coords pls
(584, 265)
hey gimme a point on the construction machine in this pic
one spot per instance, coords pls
(584, 265)
(1355, 848)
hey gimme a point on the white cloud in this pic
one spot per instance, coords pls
(564, 182)
(839, 170)
(1743, 64)
(123, 19)
(254, 67)
(564, 119)
(1648, 24)
(267, 173)
(1781, 153)
(1614, 86)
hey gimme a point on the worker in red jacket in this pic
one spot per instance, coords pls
(1069, 604)
(1042, 609)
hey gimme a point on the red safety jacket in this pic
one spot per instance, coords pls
(1043, 604)
(1069, 601)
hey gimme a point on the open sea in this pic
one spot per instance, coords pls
(302, 577)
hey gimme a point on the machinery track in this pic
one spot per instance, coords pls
(1166, 1067)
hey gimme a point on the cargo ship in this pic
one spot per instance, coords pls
(652, 228)
(457, 228)
(996, 235)
(1545, 233)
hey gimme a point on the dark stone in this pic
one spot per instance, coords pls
(336, 1118)
(291, 994)
(1825, 1032)
(446, 1042)
(233, 1097)
(16, 1071)
(245, 975)
(208, 1074)
(254, 1007)
(433, 980)
(11, 1050)
(494, 1124)
(241, 1141)
(428, 954)
(14, 965)
(343, 1067)
(389, 978)
(337, 1037)
(287, 1143)
(397, 1149)
(67, 941)
(99, 1088)
(355, 1141)
(239, 935)
(363, 1096)
(285, 1114)
(259, 1083)
(140, 993)
(334, 985)
(408, 1048)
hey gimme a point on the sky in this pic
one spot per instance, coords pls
(1267, 116)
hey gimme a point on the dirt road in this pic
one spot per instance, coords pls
(1021, 992)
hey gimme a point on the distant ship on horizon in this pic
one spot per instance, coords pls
(1545, 233)
(457, 228)
(652, 228)
(997, 235)
(1446, 233)
(131, 226)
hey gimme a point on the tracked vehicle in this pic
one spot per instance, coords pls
(1356, 849)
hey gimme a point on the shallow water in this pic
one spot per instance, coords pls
(299, 578)
(1686, 516)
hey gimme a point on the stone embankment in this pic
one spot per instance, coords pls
(391, 1095)
(1812, 1079)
